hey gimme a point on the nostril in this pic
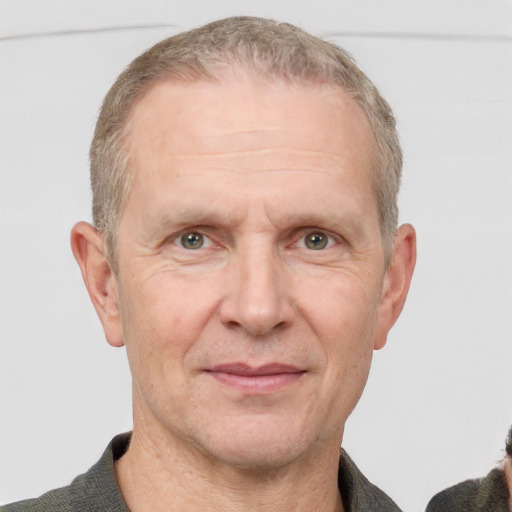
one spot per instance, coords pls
(255, 330)
(232, 324)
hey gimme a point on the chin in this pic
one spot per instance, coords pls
(258, 444)
(257, 456)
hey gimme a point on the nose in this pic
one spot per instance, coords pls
(257, 298)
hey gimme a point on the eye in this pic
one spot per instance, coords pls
(316, 241)
(193, 240)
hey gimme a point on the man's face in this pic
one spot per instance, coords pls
(250, 267)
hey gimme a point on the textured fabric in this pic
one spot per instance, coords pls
(487, 494)
(97, 490)
(358, 493)
(94, 491)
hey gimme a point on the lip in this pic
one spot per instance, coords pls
(256, 380)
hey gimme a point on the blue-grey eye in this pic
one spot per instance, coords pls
(316, 240)
(192, 240)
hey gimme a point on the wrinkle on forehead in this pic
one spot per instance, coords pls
(281, 160)
(256, 171)
(244, 114)
(241, 134)
(253, 151)
(244, 142)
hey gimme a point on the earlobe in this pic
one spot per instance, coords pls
(100, 281)
(396, 282)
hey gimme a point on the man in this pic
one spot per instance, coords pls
(490, 494)
(246, 252)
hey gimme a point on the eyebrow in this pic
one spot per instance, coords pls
(185, 217)
(350, 224)
(204, 215)
(314, 219)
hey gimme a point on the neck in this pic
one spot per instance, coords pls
(159, 474)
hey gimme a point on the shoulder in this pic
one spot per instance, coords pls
(57, 499)
(359, 494)
(461, 497)
(94, 491)
(487, 494)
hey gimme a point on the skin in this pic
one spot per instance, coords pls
(255, 169)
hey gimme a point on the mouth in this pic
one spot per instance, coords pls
(256, 380)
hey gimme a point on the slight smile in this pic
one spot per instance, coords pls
(259, 380)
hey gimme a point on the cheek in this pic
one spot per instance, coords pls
(348, 350)
(344, 318)
(162, 319)
(343, 308)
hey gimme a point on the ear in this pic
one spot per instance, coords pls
(101, 282)
(396, 282)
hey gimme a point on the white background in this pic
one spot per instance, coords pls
(439, 399)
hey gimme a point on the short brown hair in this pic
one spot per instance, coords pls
(263, 47)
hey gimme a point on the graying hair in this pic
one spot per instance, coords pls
(266, 48)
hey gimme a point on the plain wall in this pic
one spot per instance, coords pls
(439, 399)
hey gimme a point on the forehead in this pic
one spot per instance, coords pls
(250, 135)
(243, 112)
